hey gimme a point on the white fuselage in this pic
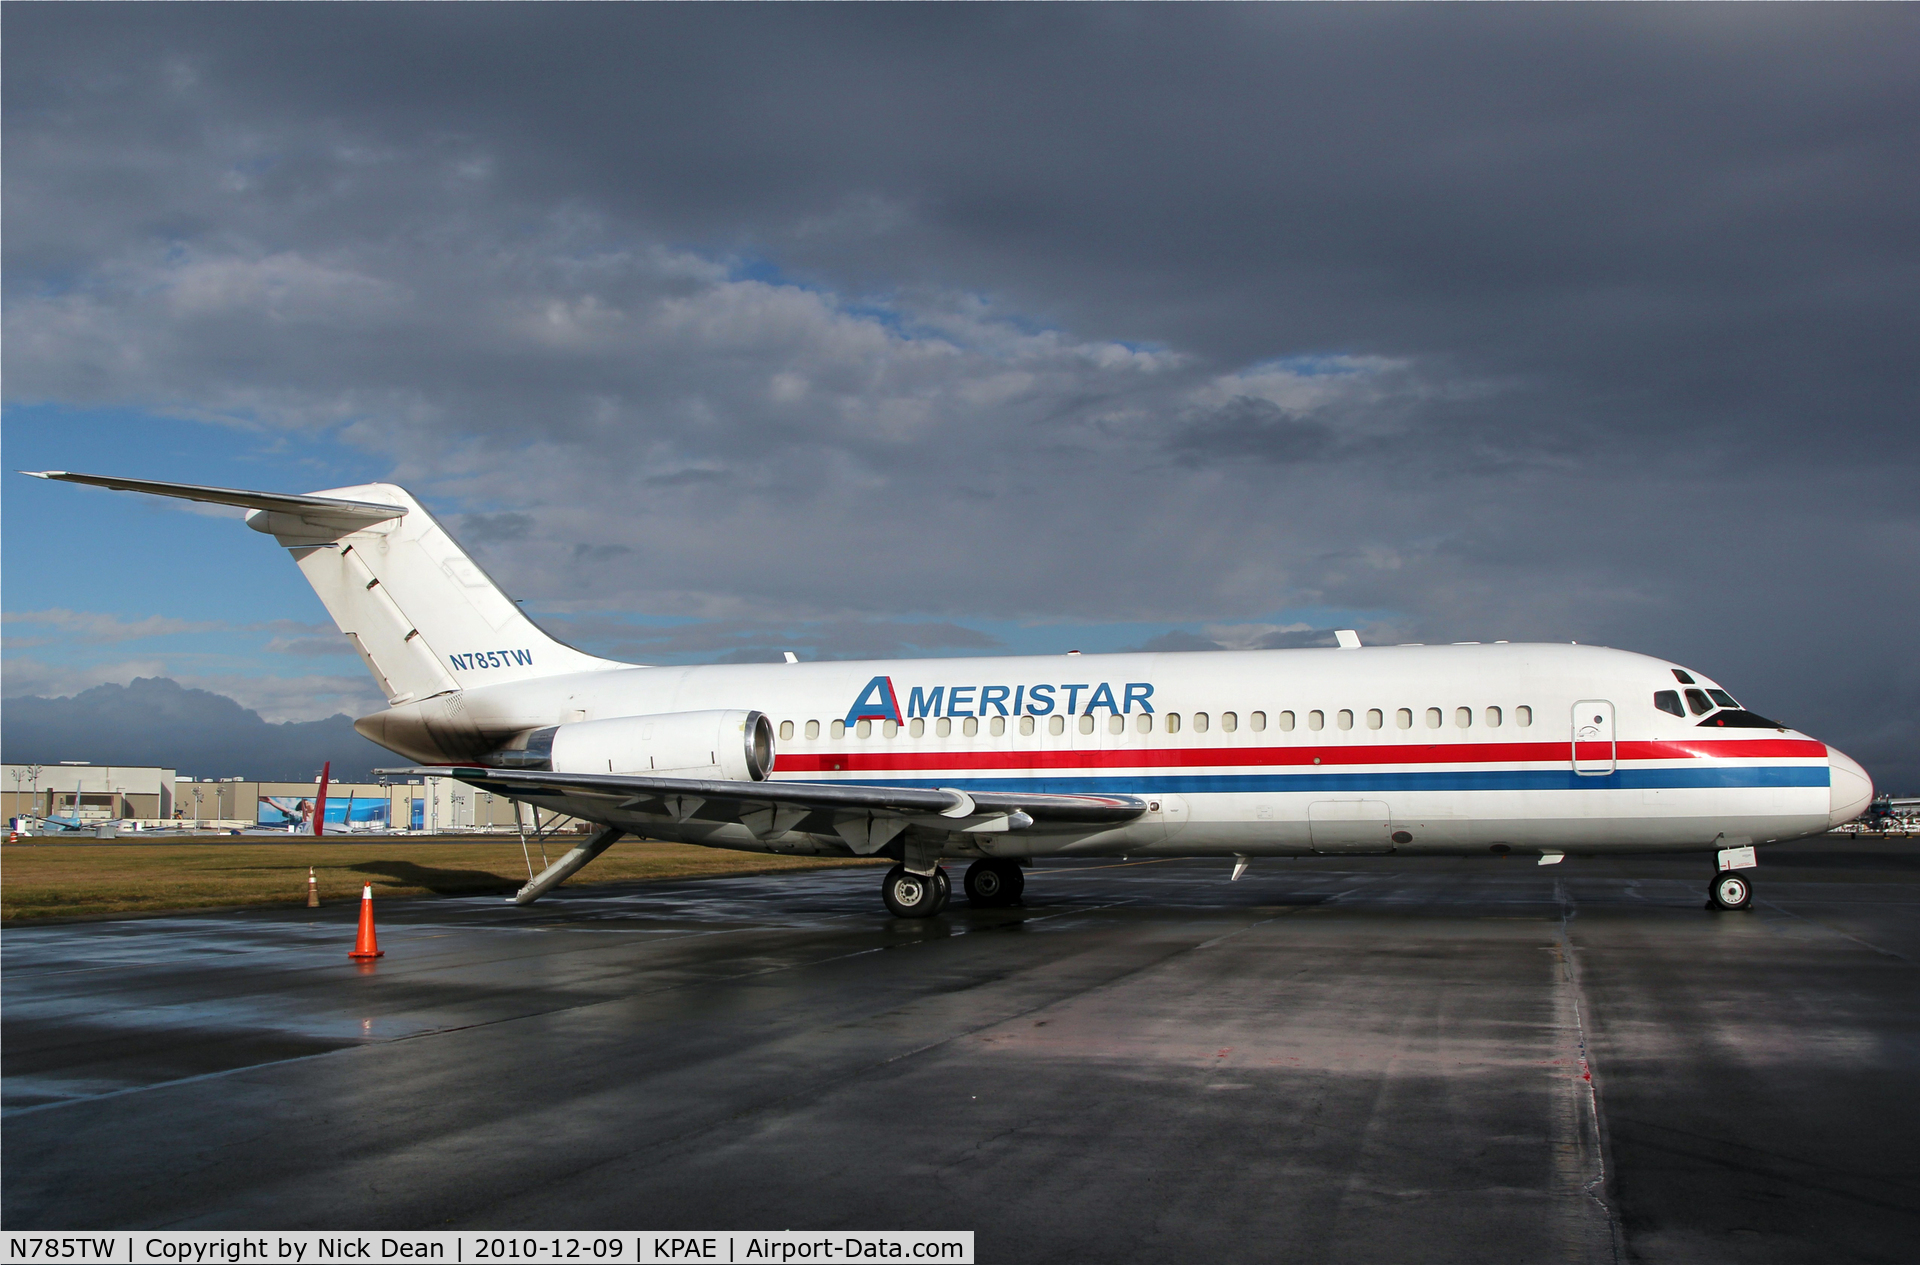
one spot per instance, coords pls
(1415, 749)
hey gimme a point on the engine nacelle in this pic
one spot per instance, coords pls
(728, 746)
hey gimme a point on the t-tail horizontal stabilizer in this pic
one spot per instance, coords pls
(320, 511)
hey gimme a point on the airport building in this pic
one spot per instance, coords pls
(92, 792)
(99, 793)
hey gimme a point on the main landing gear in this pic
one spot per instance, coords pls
(995, 882)
(1730, 890)
(989, 883)
(910, 895)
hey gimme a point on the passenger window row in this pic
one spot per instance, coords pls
(1170, 722)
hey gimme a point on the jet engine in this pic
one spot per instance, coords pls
(730, 746)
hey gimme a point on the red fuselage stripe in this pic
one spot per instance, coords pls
(1280, 757)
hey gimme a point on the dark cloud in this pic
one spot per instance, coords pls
(728, 641)
(1556, 322)
(491, 529)
(1179, 639)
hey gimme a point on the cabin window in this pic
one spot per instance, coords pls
(1199, 722)
(890, 729)
(1463, 717)
(1493, 717)
(997, 726)
(1698, 700)
(916, 727)
(864, 729)
(1145, 723)
(1086, 723)
(1229, 722)
(1057, 725)
(1316, 719)
(942, 727)
(1722, 697)
(1433, 718)
(1375, 719)
(813, 729)
(1116, 724)
(1173, 722)
(1257, 721)
(1344, 718)
(1523, 716)
(786, 730)
(1286, 722)
(970, 726)
(1668, 701)
(1404, 718)
(1026, 724)
(839, 728)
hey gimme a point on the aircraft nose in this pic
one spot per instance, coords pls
(1851, 790)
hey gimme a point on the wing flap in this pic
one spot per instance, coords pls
(627, 792)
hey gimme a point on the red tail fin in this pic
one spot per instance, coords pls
(320, 800)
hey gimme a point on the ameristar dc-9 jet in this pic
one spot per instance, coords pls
(1525, 749)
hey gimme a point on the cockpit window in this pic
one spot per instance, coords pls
(1697, 699)
(1669, 701)
(1735, 718)
(1682, 677)
(1722, 697)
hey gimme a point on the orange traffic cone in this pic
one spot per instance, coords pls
(367, 946)
(313, 890)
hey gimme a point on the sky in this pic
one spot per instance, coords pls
(717, 331)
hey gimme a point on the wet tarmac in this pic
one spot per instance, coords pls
(1330, 1060)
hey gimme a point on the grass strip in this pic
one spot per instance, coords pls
(51, 879)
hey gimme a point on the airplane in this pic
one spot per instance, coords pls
(1501, 749)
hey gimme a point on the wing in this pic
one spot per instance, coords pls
(867, 817)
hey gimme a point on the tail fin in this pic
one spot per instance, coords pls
(422, 614)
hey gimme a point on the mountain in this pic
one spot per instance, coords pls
(156, 721)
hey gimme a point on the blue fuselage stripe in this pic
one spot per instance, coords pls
(1349, 783)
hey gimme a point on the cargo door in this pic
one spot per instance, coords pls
(1351, 826)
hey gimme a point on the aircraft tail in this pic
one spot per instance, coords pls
(424, 617)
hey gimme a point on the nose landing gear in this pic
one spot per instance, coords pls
(1730, 889)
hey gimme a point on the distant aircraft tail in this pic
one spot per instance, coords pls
(421, 613)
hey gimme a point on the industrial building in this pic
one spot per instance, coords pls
(153, 796)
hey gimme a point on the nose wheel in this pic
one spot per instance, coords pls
(910, 895)
(1730, 889)
(994, 882)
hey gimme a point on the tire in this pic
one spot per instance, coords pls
(910, 895)
(1730, 890)
(946, 889)
(994, 883)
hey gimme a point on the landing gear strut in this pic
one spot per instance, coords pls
(1730, 890)
(994, 882)
(910, 895)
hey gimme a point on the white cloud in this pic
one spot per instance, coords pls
(23, 676)
(279, 698)
(98, 628)
(312, 697)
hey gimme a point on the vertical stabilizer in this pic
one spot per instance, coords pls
(421, 613)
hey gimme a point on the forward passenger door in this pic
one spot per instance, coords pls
(1593, 742)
